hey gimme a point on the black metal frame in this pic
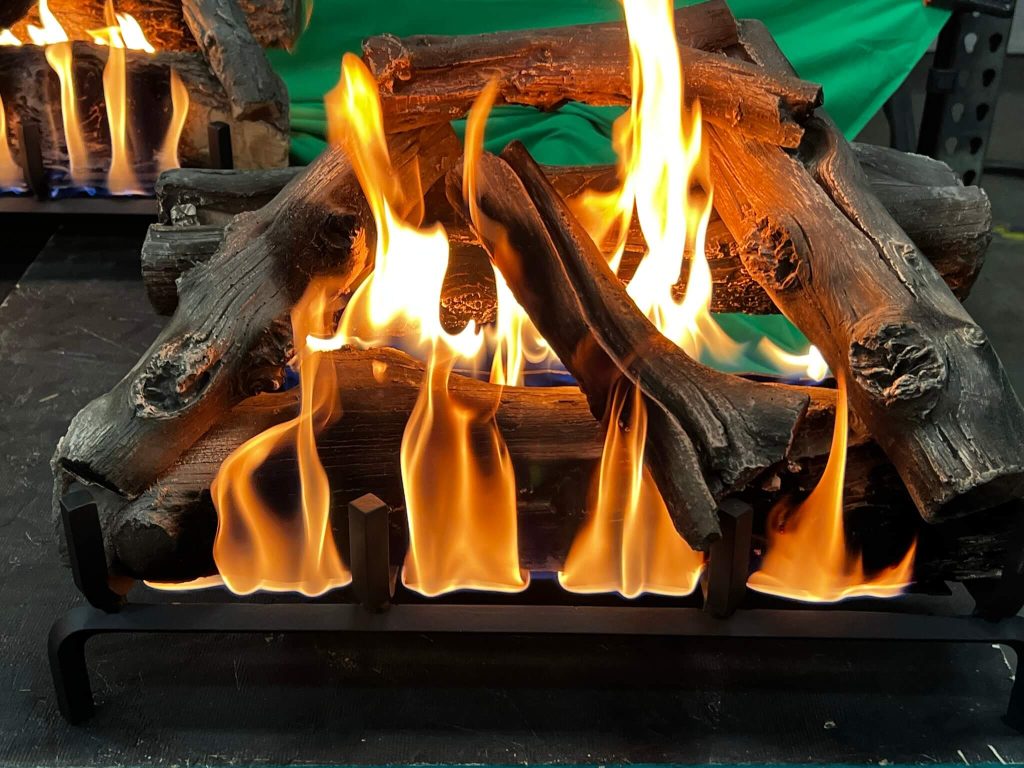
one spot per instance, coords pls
(962, 89)
(374, 609)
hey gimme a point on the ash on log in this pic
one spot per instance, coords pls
(255, 91)
(921, 374)
(425, 79)
(228, 338)
(274, 23)
(950, 223)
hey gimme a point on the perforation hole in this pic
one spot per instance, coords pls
(951, 144)
(969, 178)
(981, 111)
(987, 77)
(994, 41)
(976, 143)
(970, 42)
(957, 111)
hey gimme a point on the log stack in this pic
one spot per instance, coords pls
(845, 241)
(215, 47)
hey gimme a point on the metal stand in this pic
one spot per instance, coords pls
(963, 84)
(375, 611)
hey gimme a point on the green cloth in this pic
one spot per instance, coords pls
(859, 51)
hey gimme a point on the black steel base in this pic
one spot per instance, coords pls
(727, 612)
(70, 633)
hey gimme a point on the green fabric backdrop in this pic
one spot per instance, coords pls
(859, 50)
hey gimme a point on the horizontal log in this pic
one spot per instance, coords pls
(31, 93)
(949, 222)
(427, 78)
(274, 23)
(167, 533)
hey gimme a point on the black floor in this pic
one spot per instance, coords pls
(76, 322)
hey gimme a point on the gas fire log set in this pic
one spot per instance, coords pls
(82, 112)
(867, 250)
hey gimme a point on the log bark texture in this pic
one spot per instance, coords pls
(949, 222)
(166, 534)
(921, 374)
(254, 90)
(274, 23)
(229, 337)
(698, 444)
(31, 93)
(427, 78)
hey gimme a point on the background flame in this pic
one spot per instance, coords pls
(11, 176)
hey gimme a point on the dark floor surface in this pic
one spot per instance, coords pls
(76, 322)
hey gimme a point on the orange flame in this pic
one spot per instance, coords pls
(121, 178)
(461, 502)
(256, 547)
(513, 336)
(807, 557)
(10, 173)
(167, 157)
(456, 540)
(628, 543)
(8, 38)
(129, 30)
(59, 57)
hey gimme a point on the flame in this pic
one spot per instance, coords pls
(810, 365)
(513, 337)
(8, 38)
(121, 178)
(256, 547)
(11, 176)
(461, 499)
(807, 557)
(58, 55)
(167, 157)
(457, 539)
(51, 32)
(628, 543)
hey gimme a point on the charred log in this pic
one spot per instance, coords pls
(229, 338)
(274, 23)
(255, 91)
(921, 374)
(426, 79)
(698, 447)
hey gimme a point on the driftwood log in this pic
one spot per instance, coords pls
(31, 93)
(228, 338)
(427, 78)
(949, 222)
(166, 534)
(274, 23)
(921, 374)
(254, 90)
